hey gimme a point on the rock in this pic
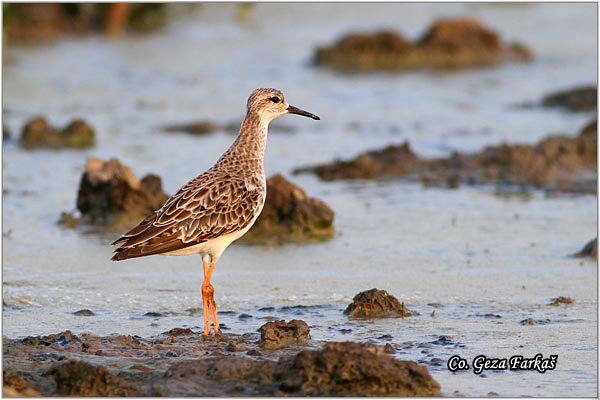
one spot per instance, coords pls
(37, 133)
(584, 98)
(556, 163)
(6, 135)
(14, 385)
(447, 44)
(392, 161)
(195, 128)
(78, 378)
(376, 303)
(590, 129)
(560, 300)
(110, 195)
(289, 215)
(353, 369)
(204, 127)
(589, 250)
(78, 135)
(84, 313)
(179, 332)
(531, 321)
(278, 334)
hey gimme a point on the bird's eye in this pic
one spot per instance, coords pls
(275, 99)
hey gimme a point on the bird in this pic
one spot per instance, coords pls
(217, 207)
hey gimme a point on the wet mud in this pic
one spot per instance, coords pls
(376, 303)
(181, 362)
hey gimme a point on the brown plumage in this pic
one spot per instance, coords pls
(217, 207)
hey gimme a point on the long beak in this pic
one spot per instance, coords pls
(296, 110)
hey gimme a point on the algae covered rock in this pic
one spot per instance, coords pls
(14, 385)
(110, 195)
(583, 98)
(376, 303)
(277, 334)
(447, 44)
(354, 369)
(79, 378)
(289, 215)
(589, 250)
(37, 133)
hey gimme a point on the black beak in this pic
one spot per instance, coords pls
(296, 110)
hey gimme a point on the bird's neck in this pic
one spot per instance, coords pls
(252, 140)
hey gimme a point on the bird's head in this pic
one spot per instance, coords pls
(270, 104)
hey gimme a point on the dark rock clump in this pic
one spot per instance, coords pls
(84, 313)
(110, 195)
(589, 250)
(556, 164)
(79, 378)
(43, 22)
(354, 369)
(584, 98)
(278, 334)
(447, 44)
(289, 215)
(556, 302)
(392, 161)
(14, 385)
(204, 127)
(37, 133)
(376, 303)
(194, 128)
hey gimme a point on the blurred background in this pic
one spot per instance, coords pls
(131, 70)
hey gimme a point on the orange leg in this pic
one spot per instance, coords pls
(205, 297)
(208, 299)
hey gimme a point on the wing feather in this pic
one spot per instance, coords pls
(211, 205)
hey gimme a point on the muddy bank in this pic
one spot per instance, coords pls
(555, 164)
(39, 134)
(181, 362)
(589, 250)
(447, 44)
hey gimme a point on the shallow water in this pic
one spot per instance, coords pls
(470, 250)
